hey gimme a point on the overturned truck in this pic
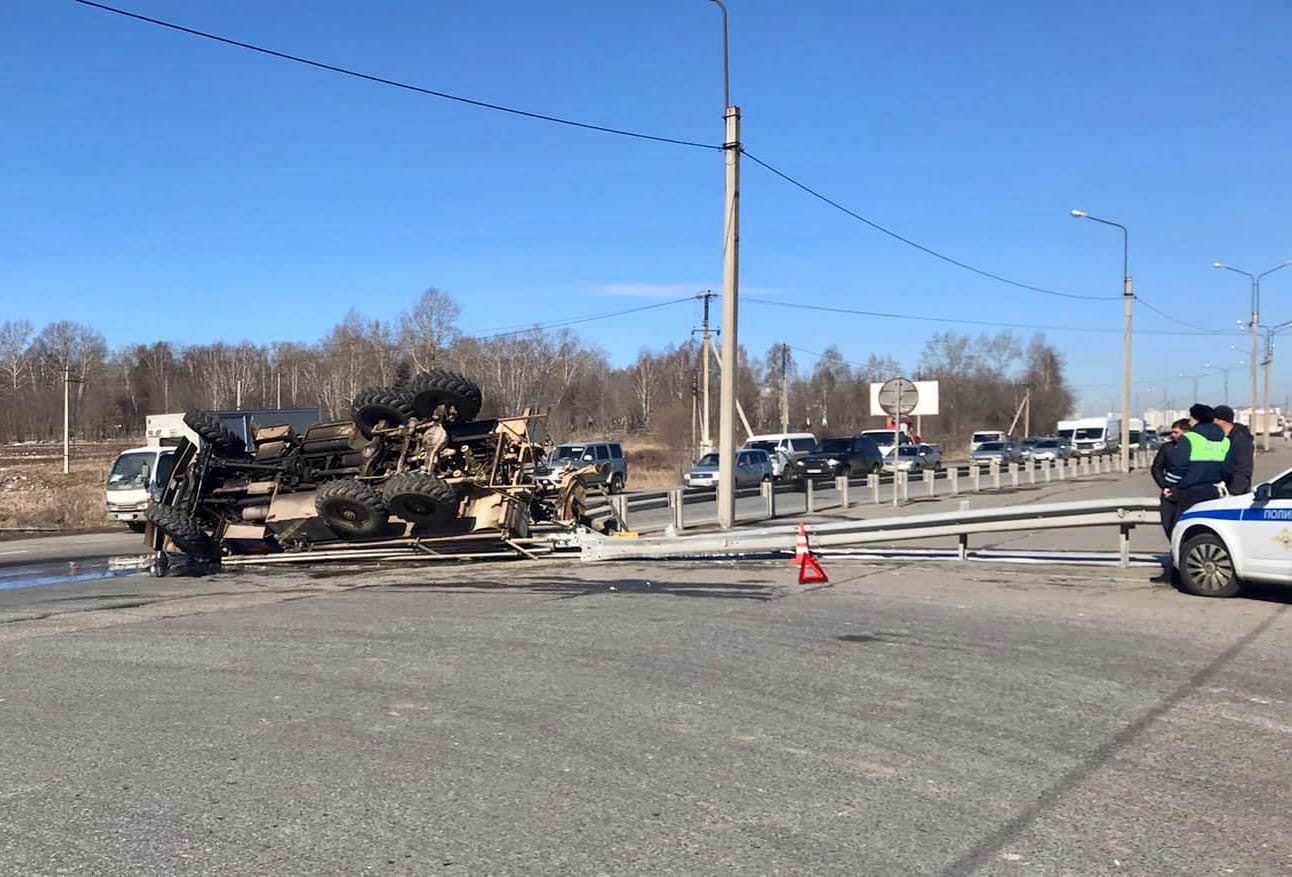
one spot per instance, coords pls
(411, 467)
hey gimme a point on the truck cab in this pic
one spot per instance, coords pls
(136, 477)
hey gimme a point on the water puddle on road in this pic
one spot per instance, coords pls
(66, 572)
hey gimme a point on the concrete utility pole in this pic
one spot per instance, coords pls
(1256, 322)
(67, 444)
(730, 287)
(706, 441)
(1128, 298)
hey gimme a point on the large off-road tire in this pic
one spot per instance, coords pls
(615, 484)
(214, 433)
(351, 508)
(381, 406)
(182, 530)
(431, 389)
(420, 498)
(1206, 567)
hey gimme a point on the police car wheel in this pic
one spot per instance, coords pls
(1207, 570)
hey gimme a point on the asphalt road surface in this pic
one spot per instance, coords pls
(553, 718)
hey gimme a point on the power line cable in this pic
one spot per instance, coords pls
(1163, 313)
(937, 255)
(996, 324)
(394, 83)
(543, 327)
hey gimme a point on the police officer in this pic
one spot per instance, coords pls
(1197, 463)
(1242, 451)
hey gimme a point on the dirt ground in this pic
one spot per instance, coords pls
(35, 494)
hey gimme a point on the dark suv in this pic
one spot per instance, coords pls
(843, 455)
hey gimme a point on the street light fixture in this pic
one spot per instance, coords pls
(1128, 298)
(1256, 322)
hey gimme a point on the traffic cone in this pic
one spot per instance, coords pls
(800, 545)
(810, 572)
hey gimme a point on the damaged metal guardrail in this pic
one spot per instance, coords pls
(1124, 514)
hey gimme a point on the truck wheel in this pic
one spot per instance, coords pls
(431, 389)
(1207, 570)
(420, 498)
(135, 526)
(616, 484)
(182, 530)
(210, 430)
(351, 508)
(381, 406)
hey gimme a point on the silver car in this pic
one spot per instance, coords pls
(1002, 453)
(914, 459)
(1050, 449)
(752, 466)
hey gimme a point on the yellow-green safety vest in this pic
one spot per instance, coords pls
(1202, 448)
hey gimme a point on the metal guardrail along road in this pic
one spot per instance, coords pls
(1124, 514)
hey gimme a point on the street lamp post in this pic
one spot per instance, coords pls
(1256, 322)
(1269, 367)
(1128, 298)
(730, 287)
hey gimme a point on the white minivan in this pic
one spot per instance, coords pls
(784, 448)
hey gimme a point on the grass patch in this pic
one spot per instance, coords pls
(34, 492)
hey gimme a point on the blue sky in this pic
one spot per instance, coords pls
(145, 174)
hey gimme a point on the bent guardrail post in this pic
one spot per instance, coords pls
(841, 484)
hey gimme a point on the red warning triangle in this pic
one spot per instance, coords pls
(810, 572)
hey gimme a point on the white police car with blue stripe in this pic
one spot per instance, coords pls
(1219, 544)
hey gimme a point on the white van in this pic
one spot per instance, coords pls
(784, 448)
(137, 476)
(987, 435)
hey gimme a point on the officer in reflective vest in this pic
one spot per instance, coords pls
(1196, 470)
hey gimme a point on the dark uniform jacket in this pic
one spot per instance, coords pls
(1240, 460)
(1182, 472)
(1160, 461)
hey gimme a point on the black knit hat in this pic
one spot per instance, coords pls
(1225, 413)
(1202, 413)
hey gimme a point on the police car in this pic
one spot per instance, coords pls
(1219, 544)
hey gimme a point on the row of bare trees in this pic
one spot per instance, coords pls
(982, 379)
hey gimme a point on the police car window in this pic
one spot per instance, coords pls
(1282, 487)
